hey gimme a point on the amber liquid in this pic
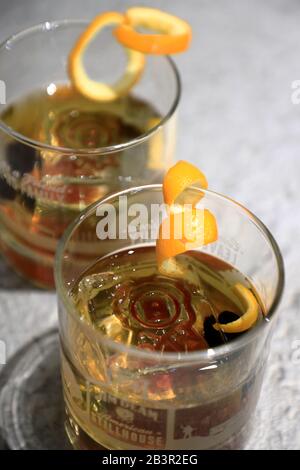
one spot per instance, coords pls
(41, 191)
(131, 302)
(128, 401)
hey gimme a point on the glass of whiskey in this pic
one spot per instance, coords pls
(60, 152)
(142, 365)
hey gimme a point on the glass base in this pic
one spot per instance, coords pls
(32, 409)
(78, 438)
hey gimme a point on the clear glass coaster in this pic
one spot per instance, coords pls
(31, 401)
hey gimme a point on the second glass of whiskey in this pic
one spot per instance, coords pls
(142, 365)
(60, 152)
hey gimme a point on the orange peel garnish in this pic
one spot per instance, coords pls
(174, 35)
(92, 89)
(179, 177)
(197, 228)
(186, 227)
(248, 319)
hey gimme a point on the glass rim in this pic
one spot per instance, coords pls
(170, 357)
(53, 25)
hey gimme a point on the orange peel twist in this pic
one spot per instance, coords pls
(187, 227)
(173, 35)
(92, 89)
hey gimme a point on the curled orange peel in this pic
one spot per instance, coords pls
(186, 227)
(92, 89)
(248, 319)
(178, 178)
(196, 227)
(172, 35)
